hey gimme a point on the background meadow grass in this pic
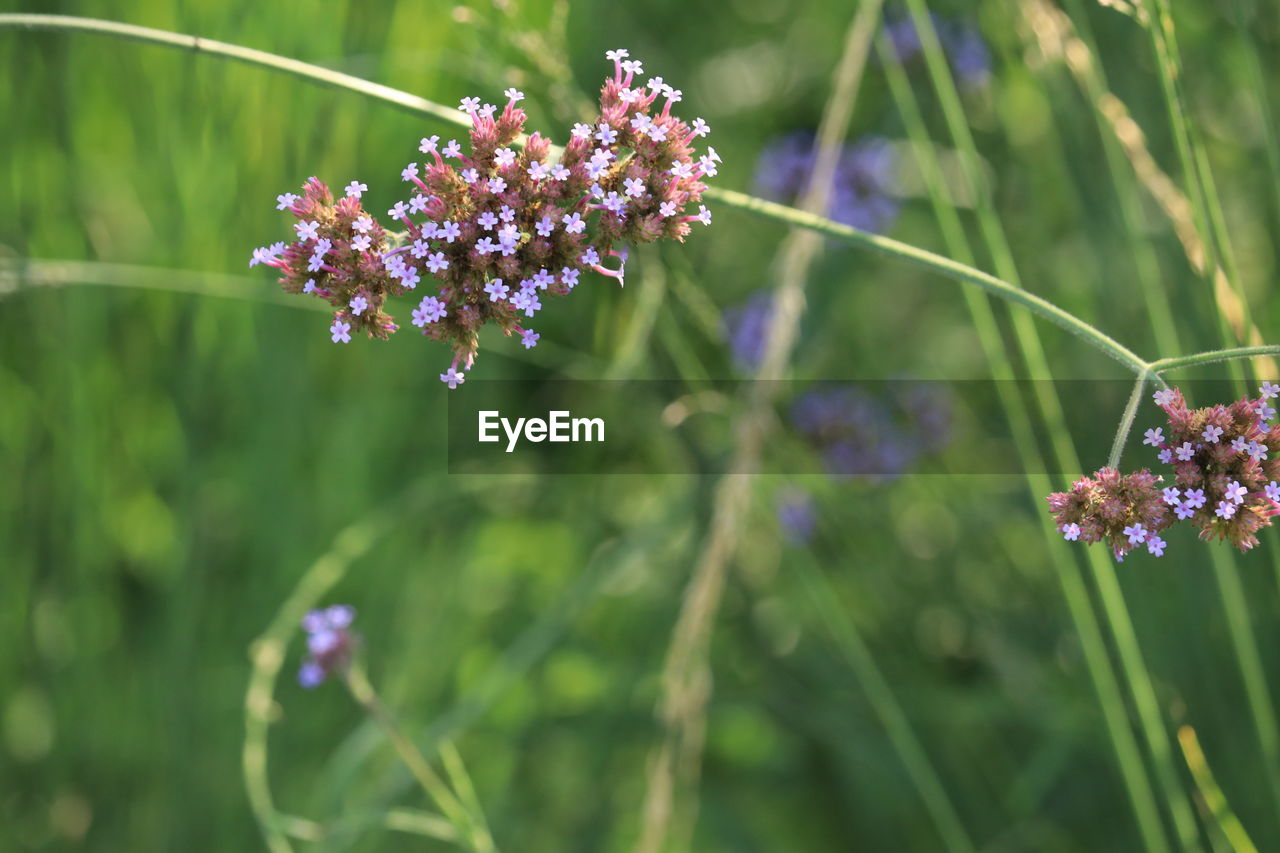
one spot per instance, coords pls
(176, 461)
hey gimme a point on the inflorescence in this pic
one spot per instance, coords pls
(503, 227)
(330, 643)
(1225, 472)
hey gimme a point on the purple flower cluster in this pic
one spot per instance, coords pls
(1225, 472)
(504, 226)
(330, 643)
(862, 191)
(960, 41)
(857, 435)
(1225, 464)
(1125, 510)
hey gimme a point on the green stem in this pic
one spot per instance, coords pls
(468, 826)
(1164, 365)
(1126, 421)
(247, 55)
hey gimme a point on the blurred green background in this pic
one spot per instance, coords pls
(175, 461)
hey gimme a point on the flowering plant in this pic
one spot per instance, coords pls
(506, 225)
(1225, 472)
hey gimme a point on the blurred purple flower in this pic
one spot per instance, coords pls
(745, 326)
(797, 515)
(862, 189)
(330, 643)
(858, 435)
(961, 41)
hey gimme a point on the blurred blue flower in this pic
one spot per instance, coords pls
(961, 41)
(745, 326)
(330, 643)
(858, 435)
(797, 515)
(861, 192)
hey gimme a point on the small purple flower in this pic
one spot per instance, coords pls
(590, 257)
(358, 305)
(1184, 511)
(1272, 491)
(408, 173)
(1269, 390)
(1212, 433)
(1235, 492)
(504, 157)
(361, 243)
(1185, 451)
(449, 231)
(1194, 498)
(569, 277)
(340, 332)
(1156, 545)
(1154, 437)
(1240, 445)
(529, 338)
(452, 377)
(497, 185)
(1265, 412)
(574, 223)
(487, 220)
(1225, 510)
(634, 187)
(437, 262)
(497, 290)
(1171, 496)
(430, 309)
(1070, 532)
(1136, 533)
(1165, 456)
(1258, 450)
(355, 189)
(284, 202)
(1163, 397)
(545, 225)
(306, 230)
(543, 279)
(453, 149)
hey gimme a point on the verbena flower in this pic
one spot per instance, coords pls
(862, 189)
(1124, 510)
(330, 643)
(484, 226)
(1225, 465)
(1225, 474)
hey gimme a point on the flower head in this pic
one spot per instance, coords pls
(330, 643)
(631, 176)
(1124, 510)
